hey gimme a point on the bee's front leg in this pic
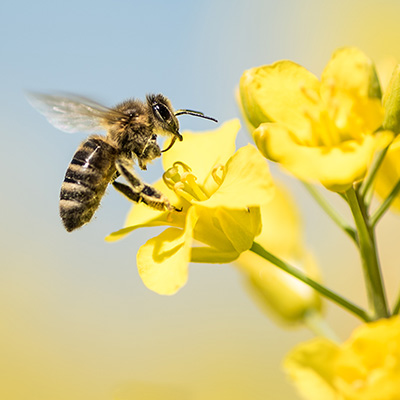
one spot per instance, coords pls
(138, 191)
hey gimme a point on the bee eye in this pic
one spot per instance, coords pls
(162, 111)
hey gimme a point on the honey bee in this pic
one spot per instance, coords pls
(132, 128)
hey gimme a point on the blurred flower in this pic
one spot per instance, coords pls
(365, 367)
(321, 131)
(389, 171)
(391, 103)
(219, 192)
(389, 174)
(283, 296)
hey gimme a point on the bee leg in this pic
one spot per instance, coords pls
(138, 191)
(116, 175)
(127, 191)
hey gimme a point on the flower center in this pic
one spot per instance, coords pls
(324, 131)
(183, 182)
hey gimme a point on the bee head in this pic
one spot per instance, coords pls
(166, 121)
(164, 117)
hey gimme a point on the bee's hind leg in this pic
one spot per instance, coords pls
(127, 191)
(138, 191)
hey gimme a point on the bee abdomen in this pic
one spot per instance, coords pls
(85, 182)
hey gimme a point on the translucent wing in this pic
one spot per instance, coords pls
(73, 113)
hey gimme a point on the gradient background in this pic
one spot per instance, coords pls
(75, 320)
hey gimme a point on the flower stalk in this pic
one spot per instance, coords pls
(324, 291)
(367, 182)
(369, 257)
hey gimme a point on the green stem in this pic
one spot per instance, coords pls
(324, 291)
(369, 257)
(366, 184)
(338, 219)
(396, 309)
(385, 205)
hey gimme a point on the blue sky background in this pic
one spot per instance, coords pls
(78, 322)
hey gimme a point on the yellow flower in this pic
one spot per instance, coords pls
(282, 295)
(389, 171)
(322, 131)
(389, 174)
(219, 192)
(365, 367)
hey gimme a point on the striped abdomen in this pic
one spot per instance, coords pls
(86, 179)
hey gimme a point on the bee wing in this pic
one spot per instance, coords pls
(73, 113)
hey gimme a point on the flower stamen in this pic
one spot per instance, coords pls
(323, 130)
(314, 128)
(179, 189)
(170, 177)
(174, 174)
(182, 181)
(217, 173)
(184, 166)
(191, 179)
(332, 133)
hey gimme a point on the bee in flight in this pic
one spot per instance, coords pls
(132, 128)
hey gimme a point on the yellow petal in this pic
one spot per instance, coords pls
(310, 366)
(240, 226)
(351, 91)
(337, 167)
(201, 151)
(208, 230)
(121, 233)
(246, 182)
(228, 231)
(351, 70)
(212, 255)
(163, 261)
(278, 93)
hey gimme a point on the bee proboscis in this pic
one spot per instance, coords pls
(132, 128)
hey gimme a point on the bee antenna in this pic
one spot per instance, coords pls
(195, 113)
